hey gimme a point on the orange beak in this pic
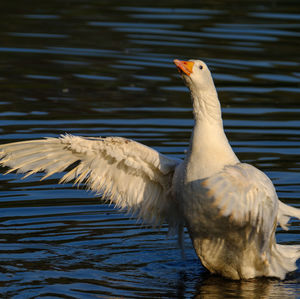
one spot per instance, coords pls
(184, 66)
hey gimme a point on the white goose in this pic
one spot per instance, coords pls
(230, 208)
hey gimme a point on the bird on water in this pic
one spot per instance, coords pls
(230, 208)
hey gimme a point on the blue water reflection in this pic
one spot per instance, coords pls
(95, 68)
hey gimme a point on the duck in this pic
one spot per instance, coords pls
(230, 209)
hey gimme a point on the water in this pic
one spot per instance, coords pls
(102, 68)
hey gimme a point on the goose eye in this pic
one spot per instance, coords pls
(200, 67)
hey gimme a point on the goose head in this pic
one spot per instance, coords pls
(195, 75)
(198, 79)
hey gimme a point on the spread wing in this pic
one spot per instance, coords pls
(247, 196)
(129, 174)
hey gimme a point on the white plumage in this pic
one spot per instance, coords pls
(230, 208)
(129, 174)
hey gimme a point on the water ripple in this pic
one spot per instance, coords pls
(105, 69)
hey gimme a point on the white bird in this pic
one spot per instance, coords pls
(230, 208)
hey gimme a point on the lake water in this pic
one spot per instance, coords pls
(104, 68)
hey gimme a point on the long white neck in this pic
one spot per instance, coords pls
(209, 148)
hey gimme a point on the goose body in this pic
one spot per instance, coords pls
(230, 208)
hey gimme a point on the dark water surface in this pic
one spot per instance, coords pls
(101, 68)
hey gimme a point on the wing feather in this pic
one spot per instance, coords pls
(125, 172)
(245, 195)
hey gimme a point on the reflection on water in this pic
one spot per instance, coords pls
(215, 287)
(96, 68)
